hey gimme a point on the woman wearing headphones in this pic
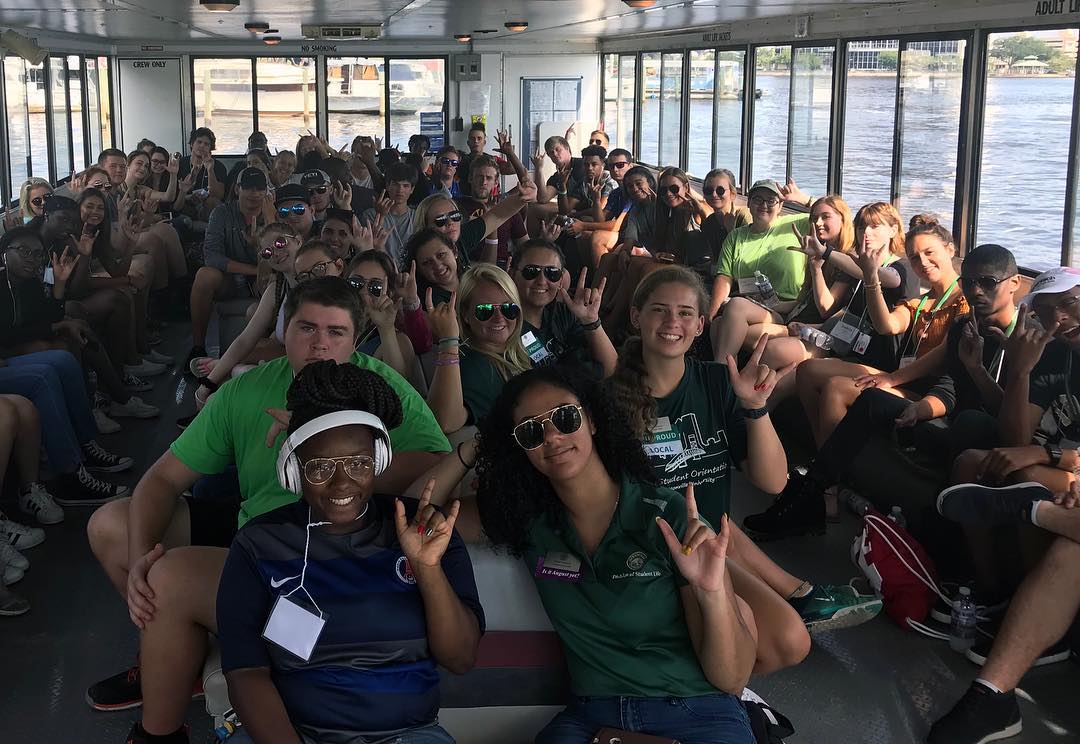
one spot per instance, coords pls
(335, 612)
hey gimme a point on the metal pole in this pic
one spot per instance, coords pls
(1068, 224)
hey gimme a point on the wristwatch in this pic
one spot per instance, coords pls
(1054, 453)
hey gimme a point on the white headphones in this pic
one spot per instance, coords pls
(288, 463)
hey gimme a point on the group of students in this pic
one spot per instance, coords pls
(397, 300)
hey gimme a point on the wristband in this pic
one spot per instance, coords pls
(872, 286)
(591, 326)
(1054, 453)
(449, 341)
(826, 254)
(462, 459)
(754, 413)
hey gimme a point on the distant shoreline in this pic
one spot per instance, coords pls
(892, 73)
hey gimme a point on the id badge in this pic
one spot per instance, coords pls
(748, 287)
(905, 361)
(294, 628)
(534, 348)
(847, 329)
(560, 566)
(861, 343)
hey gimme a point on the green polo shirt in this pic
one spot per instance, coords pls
(621, 621)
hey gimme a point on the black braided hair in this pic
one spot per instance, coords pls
(327, 387)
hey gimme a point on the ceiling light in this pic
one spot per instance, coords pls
(271, 40)
(640, 3)
(463, 38)
(270, 31)
(256, 27)
(220, 6)
(516, 26)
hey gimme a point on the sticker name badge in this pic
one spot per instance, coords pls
(559, 566)
(534, 348)
(293, 628)
(666, 441)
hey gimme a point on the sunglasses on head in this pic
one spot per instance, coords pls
(709, 191)
(566, 419)
(374, 286)
(315, 271)
(618, 166)
(986, 282)
(318, 189)
(673, 188)
(448, 161)
(442, 219)
(296, 209)
(552, 273)
(485, 310)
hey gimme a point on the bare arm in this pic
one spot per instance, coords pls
(259, 706)
(153, 502)
(886, 322)
(725, 648)
(453, 630)
(766, 461)
(720, 292)
(261, 323)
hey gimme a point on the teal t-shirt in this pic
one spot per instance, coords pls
(232, 429)
(746, 251)
(481, 383)
(698, 436)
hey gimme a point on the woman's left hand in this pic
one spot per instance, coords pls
(424, 539)
(585, 304)
(406, 287)
(63, 265)
(342, 196)
(870, 259)
(754, 383)
(701, 555)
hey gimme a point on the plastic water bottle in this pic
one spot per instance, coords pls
(765, 290)
(816, 337)
(858, 503)
(962, 627)
(896, 515)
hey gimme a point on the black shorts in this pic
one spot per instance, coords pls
(213, 521)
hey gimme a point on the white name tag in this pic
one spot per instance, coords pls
(666, 442)
(562, 561)
(293, 628)
(846, 330)
(905, 361)
(534, 348)
(861, 343)
(748, 286)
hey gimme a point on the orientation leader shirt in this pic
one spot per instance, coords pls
(1054, 387)
(619, 612)
(698, 436)
(560, 338)
(745, 251)
(232, 429)
(371, 674)
(715, 232)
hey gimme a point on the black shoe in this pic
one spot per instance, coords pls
(984, 643)
(798, 510)
(185, 421)
(138, 736)
(97, 459)
(195, 353)
(81, 488)
(971, 503)
(119, 692)
(981, 716)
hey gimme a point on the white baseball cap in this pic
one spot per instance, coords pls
(1052, 281)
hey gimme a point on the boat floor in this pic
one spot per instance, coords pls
(874, 684)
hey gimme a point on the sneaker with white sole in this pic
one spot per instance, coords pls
(145, 368)
(97, 459)
(975, 504)
(10, 574)
(984, 643)
(105, 425)
(979, 717)
(158, 358)
(135, 407)
(12, 557)
(81, 488)
(38, 503)
(11, 604)
(137, 384)
(19, 536)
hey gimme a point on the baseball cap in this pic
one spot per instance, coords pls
(252, 178)
(57, 203)
(315, 178)
(291, 192)
(767, 184)
(1052, 281)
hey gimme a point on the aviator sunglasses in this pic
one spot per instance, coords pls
(374, 286)
(319, 470)
(296, 209)
(986, 283)
(485, 310)
(442, 219)
(552, 273)
(566, 419)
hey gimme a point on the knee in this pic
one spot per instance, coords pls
(839, 389)
(24, 408)
(168, 578)
(107, 531)
(142, 269)
(966, 466)
(207, 279)
(792, 643)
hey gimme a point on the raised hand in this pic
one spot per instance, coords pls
(363, 238)
(549, 231)
(538, 159)
(406, 287)
(140, 597)
(790, 191)
(701, 554)
(384, 203)
(1025, 346)
(808, 244)
(970, 349)
(383, 311)
(173, 166)
(379, 233)
(506, 147)
(569, 131)
(341, 193)
(64, 264)
(585, 304)
(77, 184)
(754, 383)
(425, 538)
(527, 190)
(442, 319)
(870, 259)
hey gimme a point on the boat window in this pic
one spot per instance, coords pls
(610, 112)
(650, 109)
(811, 114)
(728, 110)
(702, 86)
(869, 119)
(1028, 117)
(671, 101)
(355, 98)
(772, 65)
(286, 101)
(223, 101)
(58, 111)
(105, 105)
(75, 99)
(18, 122)
(931, 87)
(417, 90)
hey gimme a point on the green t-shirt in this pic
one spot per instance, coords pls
(746, 251)
(232, 429)
(699, 434)
(560, 338)
(481, 383)
(619, 613)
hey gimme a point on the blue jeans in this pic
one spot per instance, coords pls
(704, 719)
(431, 734)
(53, 381)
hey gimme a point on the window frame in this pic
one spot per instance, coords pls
(254, 95)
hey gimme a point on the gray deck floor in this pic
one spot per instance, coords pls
(874, 684)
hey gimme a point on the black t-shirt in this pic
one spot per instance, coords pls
(1054, 387)
(577, 176)
(220, 173)
(955, 388)
(883, 351)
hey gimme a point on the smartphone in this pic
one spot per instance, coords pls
(564, 220)
(665, 257)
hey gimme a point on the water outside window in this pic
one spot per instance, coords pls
(416, 86)
(700, 125)
(222, 98)
(650, 109)
(671, 99)
(627, 101)
(811, 113)
(18, 122)
(356, 100)
(728, 111)
(75, 83)
(773, 80)
(869, 117)
(286, 99)
(610, 114)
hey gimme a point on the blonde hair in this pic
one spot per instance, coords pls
(846, 239)
(24, 195)
(513, 361)
(883, 213)
(420, 217)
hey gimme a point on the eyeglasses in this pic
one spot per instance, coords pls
(566, 419)
(319, 470)
(708, 191)
(296, 209)
(673, 188)
(551, 273)
(768, 201)
(618, 166)
(159, 162)
(448, 161)
(30, 254)
(318, 189)
(39, 201)
(986, 283)
(317, 270)
(1065, 304)
(374, 286)
(485, 310)
(442, 219)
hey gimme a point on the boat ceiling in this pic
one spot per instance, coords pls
(549, 20)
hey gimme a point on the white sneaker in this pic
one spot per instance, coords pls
(39, 503)
(134, 408)
(13, 557)
(105, 425)
(145, 368)
(157, 357)
(19, 536)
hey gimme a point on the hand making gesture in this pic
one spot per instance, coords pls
(754, 383)
(585, 304)
(442, 319)
(406, 287)
(424, 540)
(701, 555)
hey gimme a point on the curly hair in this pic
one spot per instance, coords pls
(512, 493)
(327, 387)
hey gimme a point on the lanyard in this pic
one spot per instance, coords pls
(999, 361)
(913, 333)
(940, 302)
